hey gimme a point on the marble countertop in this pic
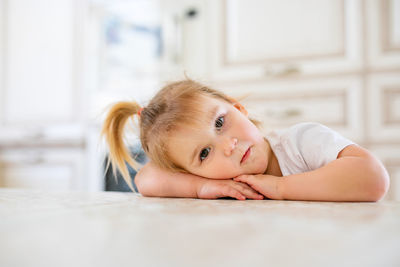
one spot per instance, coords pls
(125, 229)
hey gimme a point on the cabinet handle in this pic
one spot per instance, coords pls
(285, 71)
(178, 32)
(34, 135)
(291, 113)
(284, 114)
(191, 13)
(38, 135)
(34, 160)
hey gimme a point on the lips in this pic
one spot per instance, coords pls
(246, 155)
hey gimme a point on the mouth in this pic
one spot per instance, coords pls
(245, 156)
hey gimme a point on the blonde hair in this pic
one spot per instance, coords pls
(176, 104)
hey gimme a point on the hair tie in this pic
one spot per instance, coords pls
(140, 111)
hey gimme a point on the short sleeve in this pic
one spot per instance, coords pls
(318, 144)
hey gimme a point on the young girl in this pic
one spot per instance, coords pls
(202, 144)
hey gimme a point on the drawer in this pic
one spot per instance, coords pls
(46, 169)
(283, 110)
(336, 103)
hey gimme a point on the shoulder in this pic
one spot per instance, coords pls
(311, 143)
(307, 137)
(318, 143)
(315, 134)
(298, 146)
(307, 128)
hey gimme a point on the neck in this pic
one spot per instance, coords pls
(273, 164)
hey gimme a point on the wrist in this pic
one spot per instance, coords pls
(280, 187)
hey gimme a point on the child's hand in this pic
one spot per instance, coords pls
(268, 185)
(213, 189)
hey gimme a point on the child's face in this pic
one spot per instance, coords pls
(227, 145)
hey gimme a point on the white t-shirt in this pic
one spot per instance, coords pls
(305, 147)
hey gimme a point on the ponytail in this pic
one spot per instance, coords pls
(113, 131)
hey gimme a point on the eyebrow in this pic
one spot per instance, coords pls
(211, 114)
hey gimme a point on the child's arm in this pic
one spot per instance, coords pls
(356, 175)
(154, 182)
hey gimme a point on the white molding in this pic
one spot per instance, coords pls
(382, 125)
(381, 53)
(3, 62)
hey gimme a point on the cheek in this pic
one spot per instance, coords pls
(249, 130)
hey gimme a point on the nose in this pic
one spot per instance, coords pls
(229, 145)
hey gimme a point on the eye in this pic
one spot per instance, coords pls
(219, 122)
(204, 153)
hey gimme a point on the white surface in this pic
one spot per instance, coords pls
(40, 84)
(125, 229)
(246, 21)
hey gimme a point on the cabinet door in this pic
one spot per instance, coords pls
(383, 112)
(255, 38)
(383, 34)
(47, 169)
(337, 103)
(2, 57)
(40, 81)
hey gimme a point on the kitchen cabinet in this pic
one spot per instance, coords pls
(262, 39)
(382, 88)
(334, 62)
(383, 112)
(58, 169)
(41, 67)
(383, 34)
(43, 123)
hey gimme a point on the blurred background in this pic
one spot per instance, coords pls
(62, 62)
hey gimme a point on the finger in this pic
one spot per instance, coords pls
(232, 192)
(252, 181)
(248, 179)
(248, 191)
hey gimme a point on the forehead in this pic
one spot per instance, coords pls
(204, 112)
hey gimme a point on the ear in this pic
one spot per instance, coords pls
(239, 106)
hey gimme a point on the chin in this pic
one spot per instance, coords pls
(261, 169)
